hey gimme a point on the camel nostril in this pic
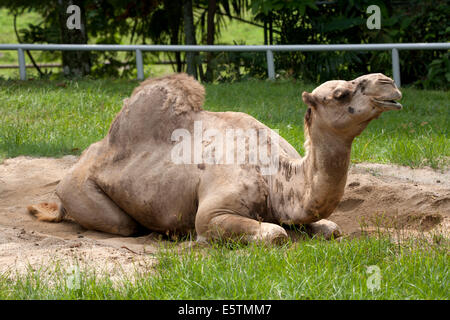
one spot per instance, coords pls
(351, 110)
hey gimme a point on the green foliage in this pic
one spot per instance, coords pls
(342, 21)
(236, 66)
(107, 22)
(304, 22)
(267, 6)
(418, 21)
(438, 76)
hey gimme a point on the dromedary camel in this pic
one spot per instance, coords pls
(130, 180)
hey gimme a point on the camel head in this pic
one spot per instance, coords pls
(347, 107)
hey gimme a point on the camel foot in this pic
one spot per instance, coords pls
(45, 211)
(271, 234)
(324, 228)
(200, 242)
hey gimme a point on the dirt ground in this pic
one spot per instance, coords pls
(377, 196)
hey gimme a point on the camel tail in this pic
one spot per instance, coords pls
(47, 211)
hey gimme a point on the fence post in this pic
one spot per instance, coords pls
(396, 67)
(270, 65)
(22, 66)
(139, 65)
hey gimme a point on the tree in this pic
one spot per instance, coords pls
(215, 11)
(189, 36)
(75, 63)
(174, 16)
(211, 29)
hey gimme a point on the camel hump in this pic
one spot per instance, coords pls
(183, 92)
(46, 211)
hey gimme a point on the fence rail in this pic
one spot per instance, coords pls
(40, 65)
(268, 49)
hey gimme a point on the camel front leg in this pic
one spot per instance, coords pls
(324, 228)
(212, 223)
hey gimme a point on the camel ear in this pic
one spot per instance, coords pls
(309, 99)
(308, 116)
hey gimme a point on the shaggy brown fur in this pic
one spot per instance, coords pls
(182, 93)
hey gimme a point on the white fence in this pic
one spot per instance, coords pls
(268, 49)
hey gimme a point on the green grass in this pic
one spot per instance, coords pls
(309, 270)
(47, 118)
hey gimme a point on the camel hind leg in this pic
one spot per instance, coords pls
(89, 206)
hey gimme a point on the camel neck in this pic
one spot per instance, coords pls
(317, 182)
(326, 167)
(328, 157)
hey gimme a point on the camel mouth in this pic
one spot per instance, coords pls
(388, 104)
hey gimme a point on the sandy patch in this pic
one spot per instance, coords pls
(381, 196)
(389, 196)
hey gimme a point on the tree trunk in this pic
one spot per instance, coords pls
(174, 15)
(75, 63)
(270, 29)
(211, 29)
(174, 41)
(265, 31)
(189, 37)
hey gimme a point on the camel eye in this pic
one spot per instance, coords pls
(385, 81)
(341, 94)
